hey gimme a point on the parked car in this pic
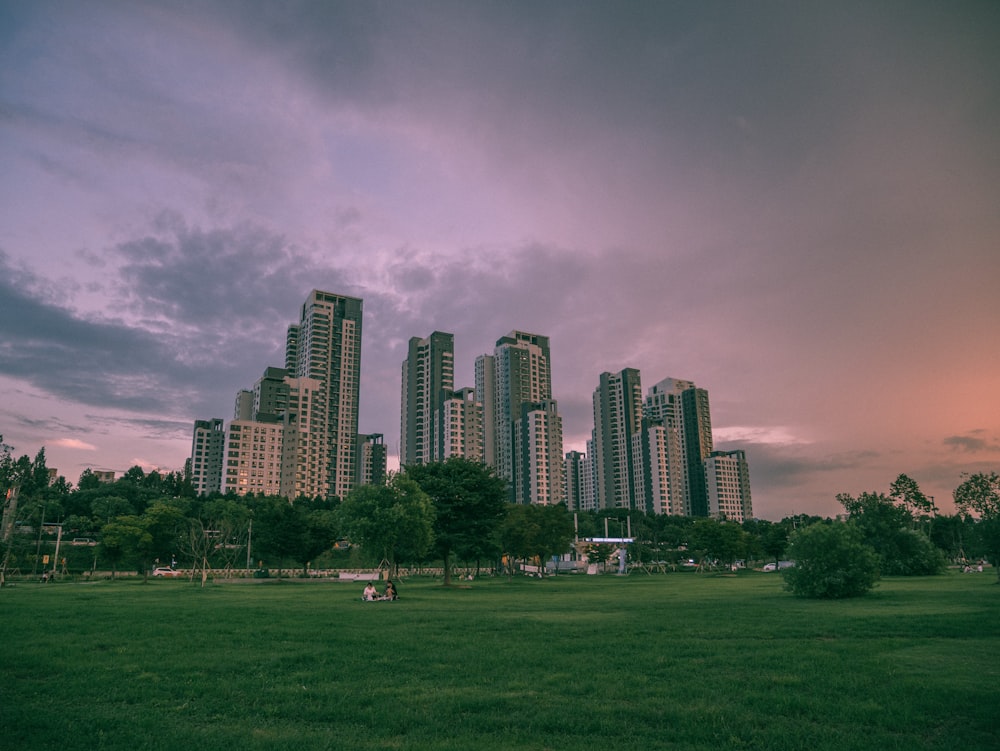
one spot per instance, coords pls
(781, 565)
(168, 572)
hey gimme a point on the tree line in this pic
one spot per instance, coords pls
(443, 514)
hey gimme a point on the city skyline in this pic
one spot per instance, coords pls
(794, 206)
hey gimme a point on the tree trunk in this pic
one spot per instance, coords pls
(447, 568)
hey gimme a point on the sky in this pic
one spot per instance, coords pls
(796, 205)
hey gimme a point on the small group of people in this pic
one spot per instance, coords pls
(371, 594)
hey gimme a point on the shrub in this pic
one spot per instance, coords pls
(831, 561)
(911, 553)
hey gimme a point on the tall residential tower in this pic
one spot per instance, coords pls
(428, 381)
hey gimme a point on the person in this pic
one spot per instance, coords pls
(390, 591)
(370, 593)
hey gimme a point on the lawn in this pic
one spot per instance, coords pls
(679, 661)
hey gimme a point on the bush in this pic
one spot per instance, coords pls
(831, 562)
(911, 554)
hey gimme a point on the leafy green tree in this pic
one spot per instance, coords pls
(469, 501)
(887, 526)
(979, 494)
(831, 561)
(719, 541)
(122, 540)
(950, 534)
(88, 480)
(536, 531)
(278, 528)
(774, 542)
(165, 525)
(907, 493)
(318, 535)
(393, 523)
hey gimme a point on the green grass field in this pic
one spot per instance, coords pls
(681, 661)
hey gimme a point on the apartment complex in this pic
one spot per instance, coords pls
(295, 432)
(509, 421)
(523, 435)
(656, 454)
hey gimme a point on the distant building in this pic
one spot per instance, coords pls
(428, 379)
(727, 482)
(574, 467)
(458, 426)
(372, 460)
(617, 403)
(683, 411)
(515, 376)
(325, 345)
(207, 450)
(253, 454)
(538, 452)
(652, 470)
(295, 432)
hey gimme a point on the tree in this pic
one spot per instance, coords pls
(469, 501)
(536, 531)
(980, 494)
(392, 523)
(887, 526)
(774, 541)
(831, 561)
(165, 525)
(122, 539)
(906, 492)
(278, 528)
(718, 541)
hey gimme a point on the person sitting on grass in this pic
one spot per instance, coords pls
(370, 594)
(390, 591)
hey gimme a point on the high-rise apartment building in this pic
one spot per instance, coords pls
(516, 380)
(372, 460)
(207, 449)
(486, 397)
(538, 451)
(682, 409)
(428, 381)
(325, 345)
(617, 415)
(458, 426)
(727, 480)
(254, 455)
(653, 472)
(574, 467)
(295, 432)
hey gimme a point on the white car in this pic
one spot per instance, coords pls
(781, 565)
(169, 572)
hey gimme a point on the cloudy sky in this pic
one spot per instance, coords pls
(796, 205)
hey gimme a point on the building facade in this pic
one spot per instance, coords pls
(727, 483)
(519, 387)
(428, 379)
(617, 403)
(372, 461)
(325, 345)
(458, 426)
(208, 446)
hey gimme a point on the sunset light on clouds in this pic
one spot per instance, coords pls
(794, 205)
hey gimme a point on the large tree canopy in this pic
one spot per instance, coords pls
(469, 501)
(979, 494)
(392, 523)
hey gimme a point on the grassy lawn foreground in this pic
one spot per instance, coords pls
(683, 661)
